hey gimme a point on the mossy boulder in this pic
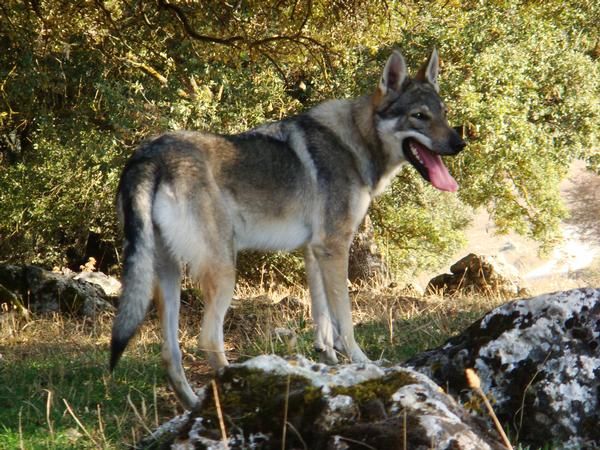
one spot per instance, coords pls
(272, 403)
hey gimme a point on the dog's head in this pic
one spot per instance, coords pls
(410, 120)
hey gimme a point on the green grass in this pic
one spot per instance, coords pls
(56, 391)
(36, 391)
(59, 394)
(387, 326)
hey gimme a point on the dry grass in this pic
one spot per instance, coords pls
(56, 392)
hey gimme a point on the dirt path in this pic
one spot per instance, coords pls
(574, 263)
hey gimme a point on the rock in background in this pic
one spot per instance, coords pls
(354, 406)
(539, 363)
(42, 291)
(477, 274)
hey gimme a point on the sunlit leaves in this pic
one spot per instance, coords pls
(82, 83)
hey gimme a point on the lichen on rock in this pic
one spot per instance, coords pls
(42, 291)
(538, 361)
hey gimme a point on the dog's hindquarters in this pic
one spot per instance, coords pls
(172, 213)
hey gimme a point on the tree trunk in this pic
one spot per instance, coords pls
(366, 262)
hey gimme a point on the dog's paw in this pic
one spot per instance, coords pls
(327, 356)
(357, 356)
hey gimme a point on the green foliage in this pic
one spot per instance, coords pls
(271, 268)
(530, 102)
(524, 83)
(37, 389)
(77, 95)
(59, 193)
(418, 225)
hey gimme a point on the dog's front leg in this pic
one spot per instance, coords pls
(324, 328)
(333, 266)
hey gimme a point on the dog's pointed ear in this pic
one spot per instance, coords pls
(394, 74)
(430, 70)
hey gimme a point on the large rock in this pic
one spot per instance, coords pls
(478, 274)
(42, 291)
(539, 362)
(346, 407)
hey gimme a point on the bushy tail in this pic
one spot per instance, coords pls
(136, 192)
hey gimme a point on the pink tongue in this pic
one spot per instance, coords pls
(438, 173)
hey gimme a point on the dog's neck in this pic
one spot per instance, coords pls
(382, 168)
(355, 117)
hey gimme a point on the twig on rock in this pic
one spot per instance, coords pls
(475, 383)
(220, 414)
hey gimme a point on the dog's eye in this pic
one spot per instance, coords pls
(419, 116)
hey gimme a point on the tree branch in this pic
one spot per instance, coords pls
(307, 15)
(261, 45)
(296, 37)
(193, 33)
(149, 70)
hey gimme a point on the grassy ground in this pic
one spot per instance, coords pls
(56, 392)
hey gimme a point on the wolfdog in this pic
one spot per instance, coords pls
(306, 181)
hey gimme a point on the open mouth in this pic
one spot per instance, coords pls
(429, 165)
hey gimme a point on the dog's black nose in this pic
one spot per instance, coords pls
(460, 130)
(457, 143)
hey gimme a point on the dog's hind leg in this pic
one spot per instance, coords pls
(217, 282)
(333, 264)
(168, 271)
(325, 329)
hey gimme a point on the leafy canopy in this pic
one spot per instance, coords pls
(81, 83)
